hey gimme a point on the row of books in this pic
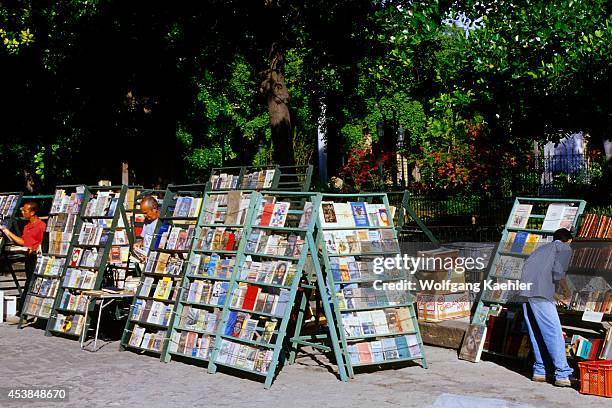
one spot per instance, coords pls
(163, 288)
(347, 268)
(499, 294)
(73, 302)
(509, 267)
(153, 341)
(274, 272)
(252, 297)
(49, 265)
(584, 348)
(44, 287)
(8, 204)
(592, 258)
(274, 243)
(592, 301)
(175, 238)
(38, 306)
(67, 203)
(119, 255)
(243, 356)
(367, 297)
(257, 180)
(84, 257)
(558, 215)
(219, 239)
(164, 263)
(71, 324)
(596, 226)
(192, 344)
(230, 208)
(195, 318)
(271, 213)
(187, 207)
(61, 223)
(213, 266)
(507, 334)
(242, 326)
(524, 243)
(386, 349)
(59, 242)
(206, 292)
(79, 279)
(91, 234)
(346, 242)
(104, 204)
(224, 181)
(354, 214)
(152, 311)
(381, 322)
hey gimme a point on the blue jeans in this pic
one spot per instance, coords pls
(546, 338)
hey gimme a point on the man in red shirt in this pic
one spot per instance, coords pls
(31, 238)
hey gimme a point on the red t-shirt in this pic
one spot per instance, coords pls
(33, 234)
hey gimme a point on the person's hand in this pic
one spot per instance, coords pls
(562, 299)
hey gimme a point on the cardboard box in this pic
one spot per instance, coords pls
(435, 308)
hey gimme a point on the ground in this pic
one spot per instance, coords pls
(108, 378)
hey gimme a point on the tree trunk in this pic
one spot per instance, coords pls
(275, 90)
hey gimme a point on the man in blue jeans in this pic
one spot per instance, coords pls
(544, 268)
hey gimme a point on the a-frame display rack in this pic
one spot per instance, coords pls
(48, 273)
(102, 224)
(205, 284)
(373, 310)
(9, 205)
(152, 311)
(270, 264)
(295, 178)
(532, 222)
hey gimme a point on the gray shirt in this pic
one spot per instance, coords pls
(544, 267)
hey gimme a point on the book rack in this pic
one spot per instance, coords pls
(406, 212)
(9, 205)
(532, 221)
(204, 287)
(48, 273)
(151, 314)
(376, 327)
(264, 284)
(102, 224)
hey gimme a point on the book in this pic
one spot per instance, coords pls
(552, 219)
(521, 216)
(360, 215)
(473, 343)
(328, 215)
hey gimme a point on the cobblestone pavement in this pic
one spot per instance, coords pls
(111, 378)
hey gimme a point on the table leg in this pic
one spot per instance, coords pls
(98, 325)
(83, 334)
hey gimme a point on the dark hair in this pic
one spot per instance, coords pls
(151, 201)
(562, 235)
(33, 206)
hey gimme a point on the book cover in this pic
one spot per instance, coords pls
(521, 216)
(553, 217)
(360, 215)
(327, 215)
(473, 343)
(519, 242)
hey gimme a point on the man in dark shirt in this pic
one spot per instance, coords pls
(31, 238)
(545, 268)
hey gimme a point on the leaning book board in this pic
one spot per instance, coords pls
(102, 220)
(376, 320)
(48, 273)
(262, 291)
(152, 311)
(531, 223)
(9, 203)
(204, 288)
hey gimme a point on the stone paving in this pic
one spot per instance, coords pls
(110, 378)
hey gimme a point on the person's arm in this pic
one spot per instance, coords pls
(13, 237)
(565, 297)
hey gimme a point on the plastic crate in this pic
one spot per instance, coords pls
(596, 377)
